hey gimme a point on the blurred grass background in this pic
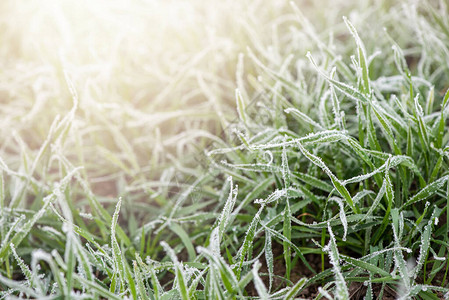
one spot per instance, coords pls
(153, 78)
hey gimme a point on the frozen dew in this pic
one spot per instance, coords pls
(88, 216)
(439, 258)
(214, 241)
(342, 290)
(269, 165)
(276, 195)
(343, 219)
(325, 293)
(269, 155)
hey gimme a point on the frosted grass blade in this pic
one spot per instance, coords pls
(342, 290)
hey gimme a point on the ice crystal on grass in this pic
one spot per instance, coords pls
(342, 290)
(23, 267)
(269, 258)
(324, 293)
(342, 213)
(228, 207)
(260, 286)
(276, 195)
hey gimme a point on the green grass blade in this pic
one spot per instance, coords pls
(179, 272)
(428, 191)
(287, 232)
(335, 181)
(342, 290)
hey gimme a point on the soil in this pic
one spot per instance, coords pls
(357, 291)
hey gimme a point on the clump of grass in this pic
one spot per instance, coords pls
(366, 162)
(342, 154)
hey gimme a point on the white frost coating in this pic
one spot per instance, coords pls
(424, 193)
(374, 254)
(343, 219)
(88, 216)
(316, 160)
(258, 283)
(270, 157)
(23, 267)
(269, 258)
(285, 168)
(65, 227)
(116, 250)
(401, 224)
(214, 241)
(11, 230)
(170, 253)
(376, 200)
(439, 258)
(269, 132)
(322, 110)
(391, 162)
(115, 216)
(418, 106)
(253, 167)
(36, 256)
(342, 290)
(401, 265)
(276, 195)
(303, 116)
(338, 114)
(311, 137)
(348, 90)
(360, 195)
(325, 293)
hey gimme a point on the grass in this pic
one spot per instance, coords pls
(313, 165)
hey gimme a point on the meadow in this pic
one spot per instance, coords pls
(224, 149)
